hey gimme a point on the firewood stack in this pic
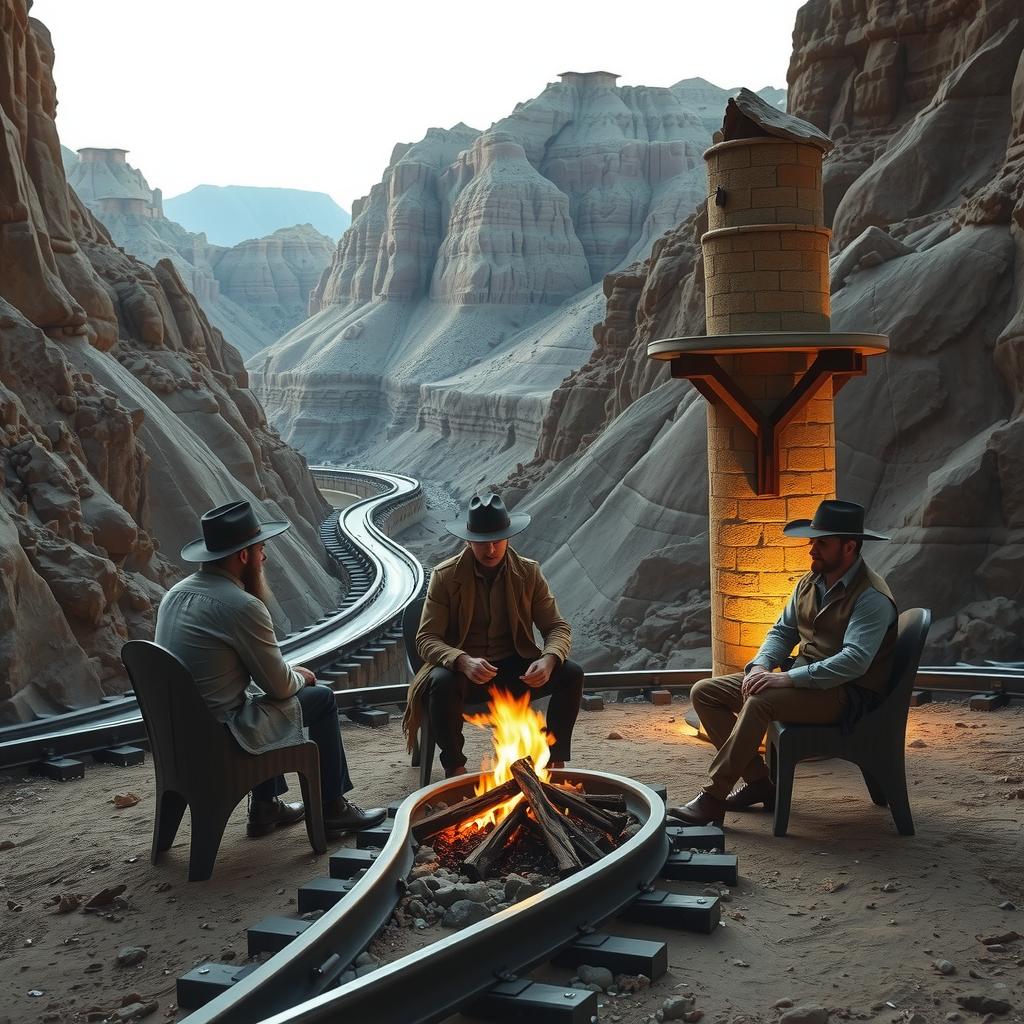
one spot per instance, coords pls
(555, 814)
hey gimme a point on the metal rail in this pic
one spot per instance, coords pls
(294, 985)
(389, 578)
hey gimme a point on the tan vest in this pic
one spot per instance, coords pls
(822, 632)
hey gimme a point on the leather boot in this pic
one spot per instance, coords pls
(703, 809)
(266, 815)
(759, 792)
(342, 815)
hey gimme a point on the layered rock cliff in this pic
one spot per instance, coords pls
(252, 292)
(123, 416)
(468, 284)
(926, 192)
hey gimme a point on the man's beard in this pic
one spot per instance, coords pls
(255, 581)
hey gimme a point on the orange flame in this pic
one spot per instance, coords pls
(517, 731)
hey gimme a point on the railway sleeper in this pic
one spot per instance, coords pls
(620, 955)
(524, 999)
(348, 862)
(674, 910)
(322, 893)
(687, 866)
(207, 981)
(273, 933)
(696, 837)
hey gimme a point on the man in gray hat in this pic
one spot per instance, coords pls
(216, 621)
(477, 635)
(843, 617)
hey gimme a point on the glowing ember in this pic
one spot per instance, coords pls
(517, 731)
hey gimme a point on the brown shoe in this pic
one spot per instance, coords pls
(266, 815)
(703, 809)
(750, 793)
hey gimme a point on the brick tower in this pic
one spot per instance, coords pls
(769, 366)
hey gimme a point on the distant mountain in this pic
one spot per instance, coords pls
(708, 100)
(231, 214)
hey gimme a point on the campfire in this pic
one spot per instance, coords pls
(518, 820)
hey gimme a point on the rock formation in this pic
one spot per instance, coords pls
(123, 416)
(253, 293)
(468, 284)
(926, 191)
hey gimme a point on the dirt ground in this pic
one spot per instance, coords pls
(843, 913)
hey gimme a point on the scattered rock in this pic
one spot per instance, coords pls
(68, 902)
(1007, 905)
(616, 735)
(7, 844)
(782, 1004)
(676, 1008)
(943, 966)
(805, 1015)
(917, 744)
(105, 897)
(984, 1004)
(134, 1011)
(890, 887)
(998, 940)
(463, 913)
(599, 976)
(131, 955)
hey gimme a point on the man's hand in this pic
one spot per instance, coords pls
(307, 677)
(758, 679)
(479, 670)
(540, 671)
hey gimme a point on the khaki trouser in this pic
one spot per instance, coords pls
(737, 726)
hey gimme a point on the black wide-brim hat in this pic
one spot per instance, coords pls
(833, 519)
(227, 529)
(488, 519)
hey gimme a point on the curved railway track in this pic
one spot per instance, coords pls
(383, 578)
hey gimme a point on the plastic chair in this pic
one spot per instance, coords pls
(199, 764)
(423, 745)
(876, 744)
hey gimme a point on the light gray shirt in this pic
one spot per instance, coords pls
(226, 639)
(872, 615)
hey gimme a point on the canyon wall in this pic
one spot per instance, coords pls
(467, 287)
(123, 416)
(925, 189)
(252, 292)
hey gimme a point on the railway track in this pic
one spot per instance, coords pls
(481, 968)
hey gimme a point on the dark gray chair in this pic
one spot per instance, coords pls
(199, 764)
(423, 744)
(876, 744)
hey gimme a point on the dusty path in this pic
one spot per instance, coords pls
(843, 912)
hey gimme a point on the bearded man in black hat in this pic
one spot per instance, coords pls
(477, 634)
(843, 617)
(216, 621)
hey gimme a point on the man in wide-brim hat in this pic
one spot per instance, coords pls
(216, 621)
(477, 634)
(843, 617)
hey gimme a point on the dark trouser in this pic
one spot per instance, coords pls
(450, 691)
(320, 714)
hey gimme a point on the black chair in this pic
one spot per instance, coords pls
(423, 744)
(199, 764)
(876, 744)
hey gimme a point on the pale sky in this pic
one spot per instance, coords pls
(314, 94)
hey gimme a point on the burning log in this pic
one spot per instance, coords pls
(555, 835)
(607, 801)
(465, 810)
(606, 821)
(479, 864)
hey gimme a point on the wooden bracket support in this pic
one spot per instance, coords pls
(707, 375)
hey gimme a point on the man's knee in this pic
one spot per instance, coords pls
(759, 705)
(317, 701)
(700, 692)
(443, 682)
(572, 674)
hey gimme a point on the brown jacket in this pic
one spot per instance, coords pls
(448, 616)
